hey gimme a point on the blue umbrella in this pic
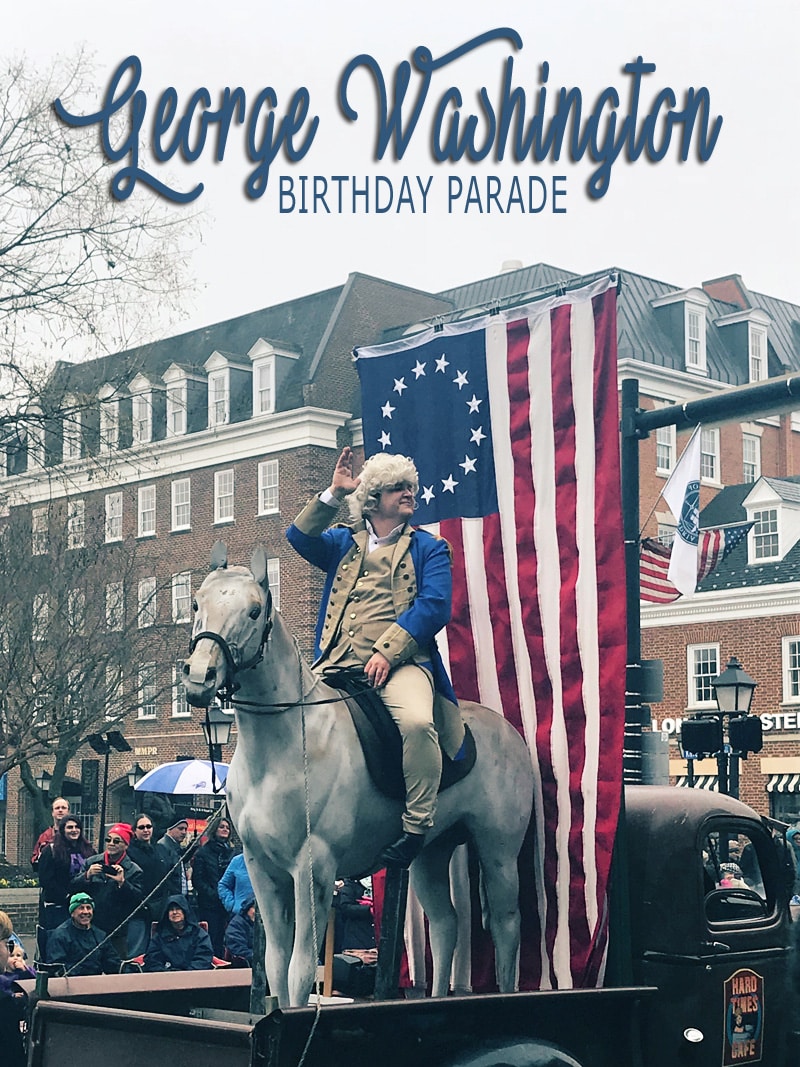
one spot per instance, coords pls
(184, 776)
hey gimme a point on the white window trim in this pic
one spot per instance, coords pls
(671, 433)
(76, 610)
(274, 580)
(220, 519)
(40, 534)
(174, 505)
(180, 705)
(150, 668)
(40, 609)
(698, 366)
(71, 432)
(177, 406)
(109, 425)
(267, 364)
(215, 416)
(182, 581)
(788, 698)
(747, 436)
(141, 511)
(147, 602)
(714, 433)
(111, 500)
(757, 331)
(690, 675)
(752, 559)
(269, 465)
(76, 524)
(142, 419)
(115, 606)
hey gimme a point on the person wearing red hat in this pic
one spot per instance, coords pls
(114, 882)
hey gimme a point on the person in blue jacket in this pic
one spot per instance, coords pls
(235, 887)
(239, 934)
(388, 592)
(178, 943)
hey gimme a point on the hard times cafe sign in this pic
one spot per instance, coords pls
(743, 1031)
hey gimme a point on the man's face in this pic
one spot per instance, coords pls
(177, 919)
(60, 809)
(82, 916)
(115, 845)
(178, 833)
(396, 502)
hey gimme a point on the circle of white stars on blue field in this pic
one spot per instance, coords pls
(403, 391)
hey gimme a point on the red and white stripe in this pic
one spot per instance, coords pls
(538, 626)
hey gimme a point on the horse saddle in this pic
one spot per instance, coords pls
(380, 738)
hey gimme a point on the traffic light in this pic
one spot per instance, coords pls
(701, 737)
(744, 734)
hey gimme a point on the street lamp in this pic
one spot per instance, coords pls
(216, 730)
(728, 733)
(43, 780)
(103, 744)
(135, 774)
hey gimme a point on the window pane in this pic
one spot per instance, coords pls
(223, 496)
(765, 534)
(147, 691)
(268, 486)
(705, 667)
(114, 517)
(181, 504)
(182, 597)
(180, 706)
(147, 510)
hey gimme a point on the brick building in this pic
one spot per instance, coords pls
(224, 432)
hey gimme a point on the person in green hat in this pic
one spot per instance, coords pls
(79, 945)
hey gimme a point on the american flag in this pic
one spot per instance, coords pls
(513, 423)
(714, 546)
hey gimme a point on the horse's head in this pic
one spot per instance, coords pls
(233, 609)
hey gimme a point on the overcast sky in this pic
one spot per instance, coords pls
(681, 223)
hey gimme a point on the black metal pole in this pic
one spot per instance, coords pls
(629, 464)
(722, 771)
(690, 773)
(102, 833)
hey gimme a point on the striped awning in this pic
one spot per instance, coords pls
(783, 783)
(701, 781)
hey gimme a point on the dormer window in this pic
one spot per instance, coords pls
(176, 408)
(142, 419)
(695, 338)
(264, 386)
(35, 439)
(765, 541)
(109, 419)
(758, 353)
(682, 316)
(218, 398)
(71, 431)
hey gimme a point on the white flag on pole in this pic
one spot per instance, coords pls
(682, 493)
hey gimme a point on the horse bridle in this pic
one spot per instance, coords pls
(230, 652)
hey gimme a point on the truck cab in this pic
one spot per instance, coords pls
(710, 927)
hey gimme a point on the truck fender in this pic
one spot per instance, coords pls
(521, 1053)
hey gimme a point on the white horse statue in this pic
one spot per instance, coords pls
(305, 807)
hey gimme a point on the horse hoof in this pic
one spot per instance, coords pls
(404, 850)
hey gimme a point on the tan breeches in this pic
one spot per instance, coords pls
(408, 696)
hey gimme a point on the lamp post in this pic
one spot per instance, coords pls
(135, 774)
(216, 730)
(728, 733)
(103, 744)
(43, 780)
(733, 692)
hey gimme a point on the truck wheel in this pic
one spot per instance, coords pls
(522, 1053)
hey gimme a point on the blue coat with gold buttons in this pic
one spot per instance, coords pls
(421, 586)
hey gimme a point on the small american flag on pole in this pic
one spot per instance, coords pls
(714, 546)
(512, 420)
